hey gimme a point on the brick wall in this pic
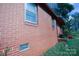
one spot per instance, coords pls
(14, 31)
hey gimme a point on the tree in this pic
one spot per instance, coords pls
(76, 20)
(64, 8)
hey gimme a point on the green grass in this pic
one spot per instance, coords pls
(71, 48)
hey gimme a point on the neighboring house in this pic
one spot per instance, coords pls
(28, 29)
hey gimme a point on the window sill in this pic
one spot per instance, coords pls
(30, 23)
(25, 49)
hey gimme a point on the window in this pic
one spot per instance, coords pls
(54, 24)
(31, 13)
(24, 47)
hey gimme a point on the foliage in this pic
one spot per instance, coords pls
(70, 49)
(65, 29)
(5, 51)
(64, 8)
(60, 50)
(75, 21)
(61, 36)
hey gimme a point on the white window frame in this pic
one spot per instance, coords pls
(54, 23)
(26, 20)
(24, 49)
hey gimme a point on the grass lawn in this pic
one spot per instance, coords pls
(71, 48)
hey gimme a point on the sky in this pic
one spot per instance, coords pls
(76, 8)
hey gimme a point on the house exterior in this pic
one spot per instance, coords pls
(27, 29)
